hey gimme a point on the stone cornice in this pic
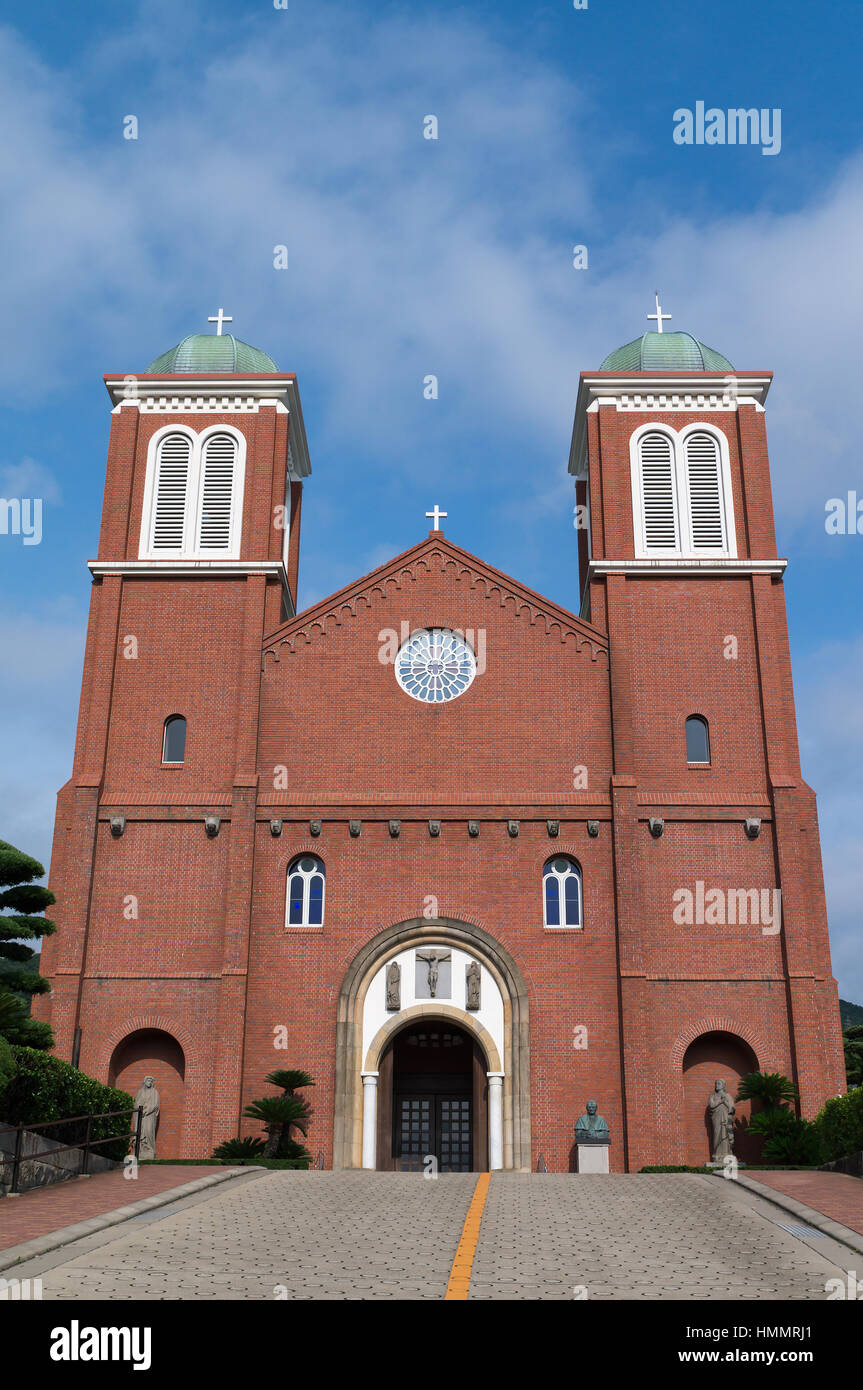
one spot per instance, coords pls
(702, 567)
(435, 553)
(664, 392)
(219, 392)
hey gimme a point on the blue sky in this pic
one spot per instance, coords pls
(303, 127)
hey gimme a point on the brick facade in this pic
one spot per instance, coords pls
(172, 954)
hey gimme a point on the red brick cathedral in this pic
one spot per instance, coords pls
(470, 858)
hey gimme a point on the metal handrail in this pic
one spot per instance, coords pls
(89, 1143)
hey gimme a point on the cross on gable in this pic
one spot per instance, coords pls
(436, 515)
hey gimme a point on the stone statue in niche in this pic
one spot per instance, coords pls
(394, 985)
(591, 1128)
(721, 1108)
(148, 1100)
(472, 979)
(433, 960)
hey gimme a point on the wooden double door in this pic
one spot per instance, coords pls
(433, 1101)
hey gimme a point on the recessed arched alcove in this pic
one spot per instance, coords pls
(153, 1052)
(708, 1058)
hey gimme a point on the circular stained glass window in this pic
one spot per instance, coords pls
(435, 665)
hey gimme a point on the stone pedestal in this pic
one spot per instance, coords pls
(593, 1158)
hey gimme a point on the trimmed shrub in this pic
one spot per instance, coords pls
(45, 1088)
(840, 1126)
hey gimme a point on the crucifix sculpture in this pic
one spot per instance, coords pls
(433, 960)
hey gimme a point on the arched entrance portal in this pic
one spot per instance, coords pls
(442, 976)
(433, 1090)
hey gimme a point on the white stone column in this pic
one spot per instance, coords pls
(495, 1119)
(370, 1117)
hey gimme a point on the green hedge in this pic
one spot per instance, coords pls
(44, 1088)
(840, 1126)
(7, 1068)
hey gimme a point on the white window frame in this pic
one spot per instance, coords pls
(294, 868)
(685, 547)
(190, 549)
(561, 878)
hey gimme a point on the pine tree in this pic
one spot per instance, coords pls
(18, 982)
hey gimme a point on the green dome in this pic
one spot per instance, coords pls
(665, 352)
(211, 352)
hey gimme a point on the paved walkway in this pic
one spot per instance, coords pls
(44, 1209)
(355, 1235)
(837, 1195)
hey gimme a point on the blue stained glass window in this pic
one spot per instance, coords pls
(571, 889)
(552, 901)
(296, 896)
(305, 905)
(562, 892)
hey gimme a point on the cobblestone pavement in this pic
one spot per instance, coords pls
(356, 1235)
(639, 1235)
(314, 1235)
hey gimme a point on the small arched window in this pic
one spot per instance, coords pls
(697, 739)
(174, 739)
(561, 892)
(305, 905)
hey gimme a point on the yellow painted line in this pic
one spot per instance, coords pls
(459, 1275)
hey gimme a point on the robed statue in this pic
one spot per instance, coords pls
(148, 1101)
(591, 1128)
(394, 985)
(721, 1108)
(472, 980)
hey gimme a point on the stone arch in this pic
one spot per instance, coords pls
(157, 1053)
(350, 1062)
(437, 1010)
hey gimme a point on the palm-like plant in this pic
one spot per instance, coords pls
(276, 1113)
(239, 1150)
(289, 1080)
(771, 1088)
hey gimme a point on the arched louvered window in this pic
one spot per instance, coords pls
(305, 905)
(193, 499)
(704, 493)
(657, 478)
(561, 892)
(217, 489)
(174, 739)
(170, 499)
(697, 739)
(681, 493)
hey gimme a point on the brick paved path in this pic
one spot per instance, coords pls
(356, 1235)
(837, 1195)
(45, 1209)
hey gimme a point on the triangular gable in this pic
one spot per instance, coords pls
(433, 553)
